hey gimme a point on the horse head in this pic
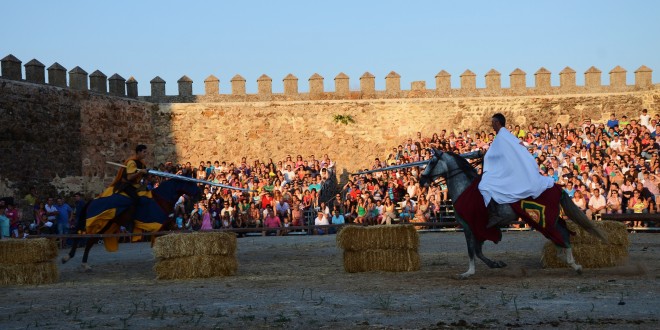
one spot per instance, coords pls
(436, 167)
(170, 190)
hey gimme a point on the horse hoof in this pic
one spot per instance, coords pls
(65, 259)
(578, 270)
(85, 268)
(463, 276)
(501, 264)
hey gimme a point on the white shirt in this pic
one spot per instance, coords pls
(322, 221)
(49, 209)
(288, 176)
(597, 201)
(510, 172)
(616, 145)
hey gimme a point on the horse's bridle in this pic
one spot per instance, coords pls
(449, 175)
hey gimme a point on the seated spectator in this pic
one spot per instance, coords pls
(254, 216)
(206, 218)
(321, 220)
(272, 221)
(349, 210)
(613, 201)
(637, 204)
(361, 209)
(407, 211)
(580, 202)
(423, 212)
(283, 210)
(239, 223)
(297, 213)
(389, 212)
(195, 220)
(337, 219)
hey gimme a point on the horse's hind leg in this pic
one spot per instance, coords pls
(72, 252)
(488, 262)
(567, 255)
(88, 246)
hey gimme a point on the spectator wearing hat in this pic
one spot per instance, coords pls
(321, 220)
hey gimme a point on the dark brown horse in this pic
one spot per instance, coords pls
(110, 211)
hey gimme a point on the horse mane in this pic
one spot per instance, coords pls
(463, 165)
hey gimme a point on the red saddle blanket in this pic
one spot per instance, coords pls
(541, 213)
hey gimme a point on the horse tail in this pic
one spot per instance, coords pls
(578, 217)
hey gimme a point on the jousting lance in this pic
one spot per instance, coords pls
(185, 178)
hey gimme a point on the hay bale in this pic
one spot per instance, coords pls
(32, 273)
(199, 243)
(596, 255)
(201, 266)
(358, 238)
(381, 260)
(616, 231)
(27, 251)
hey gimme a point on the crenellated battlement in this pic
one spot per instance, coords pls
(116, 85)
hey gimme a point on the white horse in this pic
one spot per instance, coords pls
(459, 175)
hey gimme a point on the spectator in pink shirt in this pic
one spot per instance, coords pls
(272, 221)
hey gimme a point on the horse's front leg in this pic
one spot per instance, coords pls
(567, 255)
(471, 244)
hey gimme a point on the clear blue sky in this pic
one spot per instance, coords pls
(417, 39)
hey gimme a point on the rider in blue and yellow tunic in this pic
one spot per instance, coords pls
(129, 178)
(112, 201)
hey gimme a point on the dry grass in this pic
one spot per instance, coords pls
(588, 250)
(381, 260)
(358, 238)
(615, 230)
(588, 255)
(195, 267)
(379, 248)
(195, 244)
(195, 255)
(27, 251)
(32, 273)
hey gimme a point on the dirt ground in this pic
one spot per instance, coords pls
(299, 282)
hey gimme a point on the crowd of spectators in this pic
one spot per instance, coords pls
(606, 167)
(280, 194)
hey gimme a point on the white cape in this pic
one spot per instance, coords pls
(510, 172)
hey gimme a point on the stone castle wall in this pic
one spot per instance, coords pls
(235, 90)
(262, 130)
(59, 137)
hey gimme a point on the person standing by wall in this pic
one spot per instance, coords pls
(51, 216)
(64, 219)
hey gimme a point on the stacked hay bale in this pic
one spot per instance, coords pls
(379, 248)
(588, 250)
(195, 255)
(28, 261)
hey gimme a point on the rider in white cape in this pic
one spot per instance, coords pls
(510, 172)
